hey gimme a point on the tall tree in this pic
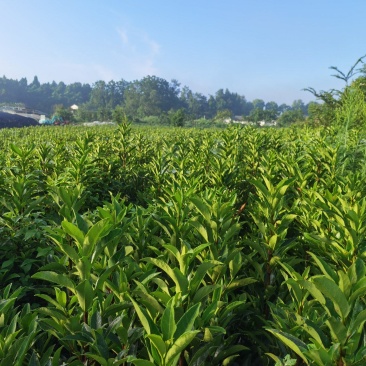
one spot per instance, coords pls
(196, 104)
(151, 96)
(271, 111)
(234, 102)
(298, 104)
(35, 84)
(258, 104)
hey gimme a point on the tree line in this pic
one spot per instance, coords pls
(150, 98)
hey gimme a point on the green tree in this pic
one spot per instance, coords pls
(178, 117)
(119, 116)
(64, 113)
(291, 116)
(77, 93)
(271, 111)
(320, 114)
(271, 106)
(332, 100)
(299, 104)
(256, 114)
(234, 102)
(151, 96)
(195, 104)
(283, 107)
(98, 96)
(35, 84)
(258, 104)
(212, 107)
(351, 112)
(222, 115)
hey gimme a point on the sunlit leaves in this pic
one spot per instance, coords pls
(153, 247)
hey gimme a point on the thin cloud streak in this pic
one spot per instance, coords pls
(138, 52)
(123, 36)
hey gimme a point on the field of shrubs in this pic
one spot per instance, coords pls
(160, 246)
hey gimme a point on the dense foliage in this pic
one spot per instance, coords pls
(147, 246)
(142, 100)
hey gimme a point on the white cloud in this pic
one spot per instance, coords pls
(154, 46)
(123, 35)
(103, 73)
(138, 53)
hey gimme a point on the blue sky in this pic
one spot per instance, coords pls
(263, 49)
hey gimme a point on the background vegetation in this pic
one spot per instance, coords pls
(149, 100)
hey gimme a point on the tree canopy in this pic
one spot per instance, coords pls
(151, 96)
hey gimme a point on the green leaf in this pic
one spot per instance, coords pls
(85, 295)
(202, 208)
(292, 342)
(230, 351)
(200, 229)
(334, 293)
(145, 319)
(216, 329)
(104, 276)
(59, 279)
(203, 292)
(69, 251)
(16, 149)
(273, 241)
(207, 335)
(240, 283)
(96, 232)
(180, 281)
(101, 360)
(173, 250)
(275, 358)
(34, 361)
(261, 187)
(197, 250)
(359, 290)
(159, 344)
(56, 357)
(139, 362)
(52, 313)
(338, 331)
(167, 322)
(150, 302)
(283, 186)
(200, 274)
(325, 268)
(52, 301)
(61, 297)
(22, 347)
(162, 285)
(232, 231)
(314, 330)
(357, 323)
(74, 232)
(6, 304)
(186, 322)
(314, 291)
(178, 346)
(84, 267)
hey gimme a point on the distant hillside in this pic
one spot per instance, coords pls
(9, 120)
